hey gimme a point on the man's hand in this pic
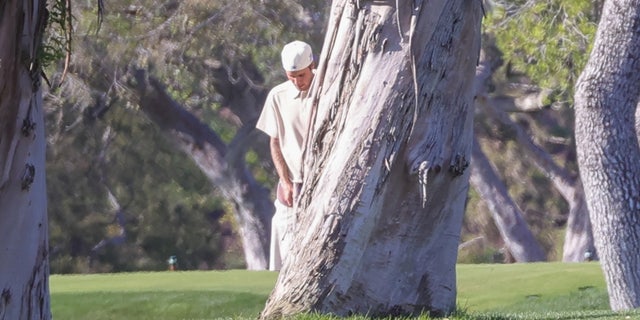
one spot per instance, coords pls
(284, 193)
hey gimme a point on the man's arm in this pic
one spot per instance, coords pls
(285, 188)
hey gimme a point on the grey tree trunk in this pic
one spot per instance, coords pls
(223, 166)
(517, 236)
(578, 239)
(607, 95)
(24, 254)
(385, 172)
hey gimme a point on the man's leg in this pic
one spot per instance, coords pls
(278, 232)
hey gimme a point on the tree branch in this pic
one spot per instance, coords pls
(562, 180)
(524, 102)
(506, 214)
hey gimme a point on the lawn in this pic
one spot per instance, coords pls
(485, 292)
(236, 294)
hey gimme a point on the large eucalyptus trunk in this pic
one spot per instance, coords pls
(607, 95)
(385, 172)
(24, 264)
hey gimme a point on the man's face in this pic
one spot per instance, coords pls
(301, 78)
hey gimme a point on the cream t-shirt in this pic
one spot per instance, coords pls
(286, 116)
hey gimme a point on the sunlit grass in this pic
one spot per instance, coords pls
(494, 286)
(257, 282)
(485, 292)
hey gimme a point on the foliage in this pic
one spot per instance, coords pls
(480, 255)
(57, 36)
(546, 41)
(518, 291)
(163, 214)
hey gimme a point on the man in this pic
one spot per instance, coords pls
(285, 118)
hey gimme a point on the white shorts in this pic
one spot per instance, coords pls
(281, 228)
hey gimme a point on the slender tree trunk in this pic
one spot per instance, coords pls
(578, 238)
(517, 237)
(24, 265)
(607, 95)
(224, 168)
(383, 198)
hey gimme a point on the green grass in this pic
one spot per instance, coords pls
(257, 282)
(493, 286)
(485, 292)
(161, 295)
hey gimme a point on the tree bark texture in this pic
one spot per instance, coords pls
(385, 168)
(509, 219)
(607, 95)
(253, 207)
(24, 264)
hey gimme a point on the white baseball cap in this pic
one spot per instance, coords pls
(296, 56)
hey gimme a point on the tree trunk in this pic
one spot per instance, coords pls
(24, 264)
(578, 236)
(382, 203)
(224, 167)
(517, 237)
(607, 95)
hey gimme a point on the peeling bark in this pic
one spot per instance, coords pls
(24, 280)
(386, 167)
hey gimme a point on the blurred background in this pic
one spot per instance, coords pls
(152, 157)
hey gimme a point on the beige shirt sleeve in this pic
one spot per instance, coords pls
(268, 121)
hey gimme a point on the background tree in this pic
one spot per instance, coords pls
(96, 152)
(222, 164)
(526, 108)
(518, 238)
(385, 173)
(607, 96)
(520, 243)
(24, 254)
